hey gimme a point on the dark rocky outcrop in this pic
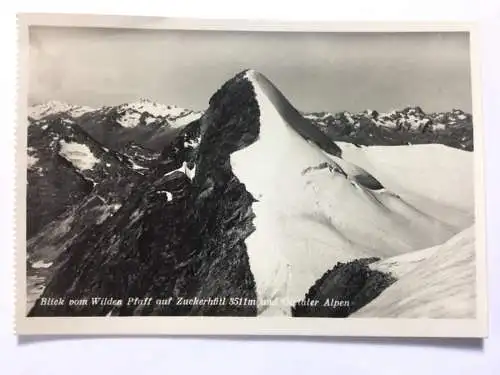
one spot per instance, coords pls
(138, 156)
(187, 244)
(351, 284)
(51, 194)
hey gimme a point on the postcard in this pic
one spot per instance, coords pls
(239, 177)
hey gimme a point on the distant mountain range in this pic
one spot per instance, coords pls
(129, 115)
(250, 200)
(152, 125)
(144, 122)
(410, 125)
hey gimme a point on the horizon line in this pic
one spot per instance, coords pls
(398, 109)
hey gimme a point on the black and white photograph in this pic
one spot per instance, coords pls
(301, 175)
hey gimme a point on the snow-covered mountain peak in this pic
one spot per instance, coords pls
(128, 115)
(305, 195)
(54, 107)
(290, 116)
(148, 112)
(251, 73)
(152, 107)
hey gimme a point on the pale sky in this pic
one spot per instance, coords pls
(315, 71)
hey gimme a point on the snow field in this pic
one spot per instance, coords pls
(308, 219)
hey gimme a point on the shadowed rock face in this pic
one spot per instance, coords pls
(139, 155)
(103, 126)
(47, 197)
(191, 245)
(344, 289)
(223, 206)
(293, 117)
(55, 185)
(66, 198)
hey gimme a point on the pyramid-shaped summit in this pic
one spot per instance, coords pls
(266, 91)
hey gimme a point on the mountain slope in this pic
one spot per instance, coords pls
(313, 208)
(140, 157)
(144, 122)
(436, 179)
(182, 231)
(46, 171)
(74, 183)
(440, 285)
(64, 165)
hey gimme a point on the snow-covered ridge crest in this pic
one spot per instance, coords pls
(130, 114)
(292, 117)
(54, 107)
(154, 108)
